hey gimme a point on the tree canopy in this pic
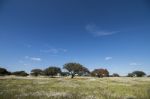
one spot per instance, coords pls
(138, 73)
(75, 68)
(36, 72)
(115, 75)
(20, 73)
(51, 71)
(100, 73)
(4, 71)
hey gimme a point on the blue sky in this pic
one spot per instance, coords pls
(112, 34)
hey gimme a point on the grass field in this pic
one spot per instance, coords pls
(77, 88)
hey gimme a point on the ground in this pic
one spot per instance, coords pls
(77, 88)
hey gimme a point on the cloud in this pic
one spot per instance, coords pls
(108, 58)
(25, 64)
(26, 57)
(135, 64)
(54, 50)
(96, 31)
(33, 58)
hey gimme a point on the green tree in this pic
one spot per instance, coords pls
(84, 71)
(100, 73)
(51, 71)
(20, 73)
(115, 75)
(139, 73)
(36, 72)
(130, 75)
(4, 71)
(74, 68)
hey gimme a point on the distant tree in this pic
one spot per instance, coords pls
(74, 68)
(115, 75)
(4, 71)
(65, 73)
(148, 76)
(100, 73)
(84, 71)
(139, 73)
(20, 73)
(51, 71)
(130, 75)
(36, 72)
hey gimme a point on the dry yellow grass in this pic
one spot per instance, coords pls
(12, 87)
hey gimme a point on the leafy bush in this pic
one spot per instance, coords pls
(4, 71)
(51, 71)
(36, 72)
(130, 75)
(115, 75)
(20, 73)
(136, 74)
(76, 68)
(65, 73)
(100, 73)
(139, 73)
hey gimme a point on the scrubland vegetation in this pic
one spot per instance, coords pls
(12, 87)
(53, 83)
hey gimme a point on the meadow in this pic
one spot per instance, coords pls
(78, 88)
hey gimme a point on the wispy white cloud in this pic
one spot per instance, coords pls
(26, 57)
(33, 58)
(54, 50)
(25, 64)
(96, 31)
(108, 58)
(135, 64)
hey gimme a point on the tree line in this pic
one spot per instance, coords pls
(73, 69)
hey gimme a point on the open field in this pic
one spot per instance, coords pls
(77, 88)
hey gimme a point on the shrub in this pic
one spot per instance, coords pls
(65, 73)
(4, 71)
(76, 68)
(100, 73)
(115, 75)
(130, 75)
(136, 74)
(20, 73)
(51, 71)
(36, 72)
(139, 73)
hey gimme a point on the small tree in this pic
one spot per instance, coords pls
(51, 71)
(4, 71)
(84, 71)
(100, 73)
(36, 72)
(139, 73)
(130, 75)
(73, 68)
(115, 75)
(20, 73)
(65, 73)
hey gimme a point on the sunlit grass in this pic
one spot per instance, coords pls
(77, 88)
